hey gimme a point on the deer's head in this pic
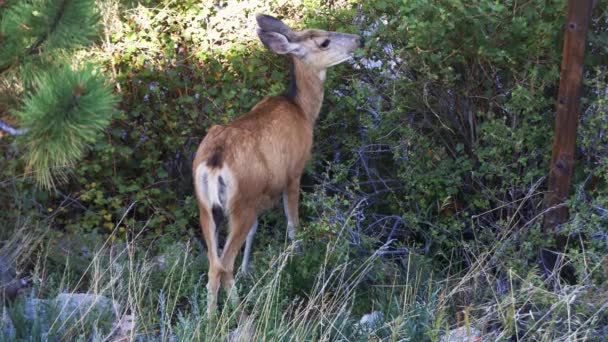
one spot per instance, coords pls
(317, 48)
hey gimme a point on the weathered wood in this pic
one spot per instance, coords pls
(564, 138)
(568, 110)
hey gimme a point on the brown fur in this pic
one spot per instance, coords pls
(264, 149)
(242, 168)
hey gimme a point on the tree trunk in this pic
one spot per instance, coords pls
(566, 120)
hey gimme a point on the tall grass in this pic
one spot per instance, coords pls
(420, 305)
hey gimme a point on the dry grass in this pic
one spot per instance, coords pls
(420, 307)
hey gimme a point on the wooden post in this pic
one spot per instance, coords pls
(566, 120)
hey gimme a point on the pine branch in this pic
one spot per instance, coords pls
(38, 28)
(35, 48)
(66, 113)
(64, 109)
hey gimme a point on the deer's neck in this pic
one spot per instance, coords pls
(306, 88)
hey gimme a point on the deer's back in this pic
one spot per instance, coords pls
(263, 149)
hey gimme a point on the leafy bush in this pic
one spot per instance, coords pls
(423, 198)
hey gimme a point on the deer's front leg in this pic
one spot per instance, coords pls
(291, 198)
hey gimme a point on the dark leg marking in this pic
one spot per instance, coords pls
(218, 215)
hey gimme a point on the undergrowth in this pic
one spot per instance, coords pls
(421, 205)
(162, 297)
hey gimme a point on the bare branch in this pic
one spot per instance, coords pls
(10, 130)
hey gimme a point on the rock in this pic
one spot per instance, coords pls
(371, 321)
(76, 305)
(123, 329)
(244, 332)
(463, 334)
(67, 310)
(7, 328)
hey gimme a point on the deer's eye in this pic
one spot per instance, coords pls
(325, 43)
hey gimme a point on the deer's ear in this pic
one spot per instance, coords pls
(278, 43)
(271, 24)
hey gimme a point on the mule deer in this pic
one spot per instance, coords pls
(242, 168)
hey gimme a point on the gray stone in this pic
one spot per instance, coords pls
(463, 334)
(53, 317)
(71, 306)
(122, 329)
(245, 330)
(371, 321)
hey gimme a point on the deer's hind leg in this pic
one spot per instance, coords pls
(241, 222)
(215, 265)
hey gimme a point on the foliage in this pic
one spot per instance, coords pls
(64, 107)
(31, 29)
(457, 138)
(63, 117)
(422, 201)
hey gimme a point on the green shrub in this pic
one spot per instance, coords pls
(424, 190)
